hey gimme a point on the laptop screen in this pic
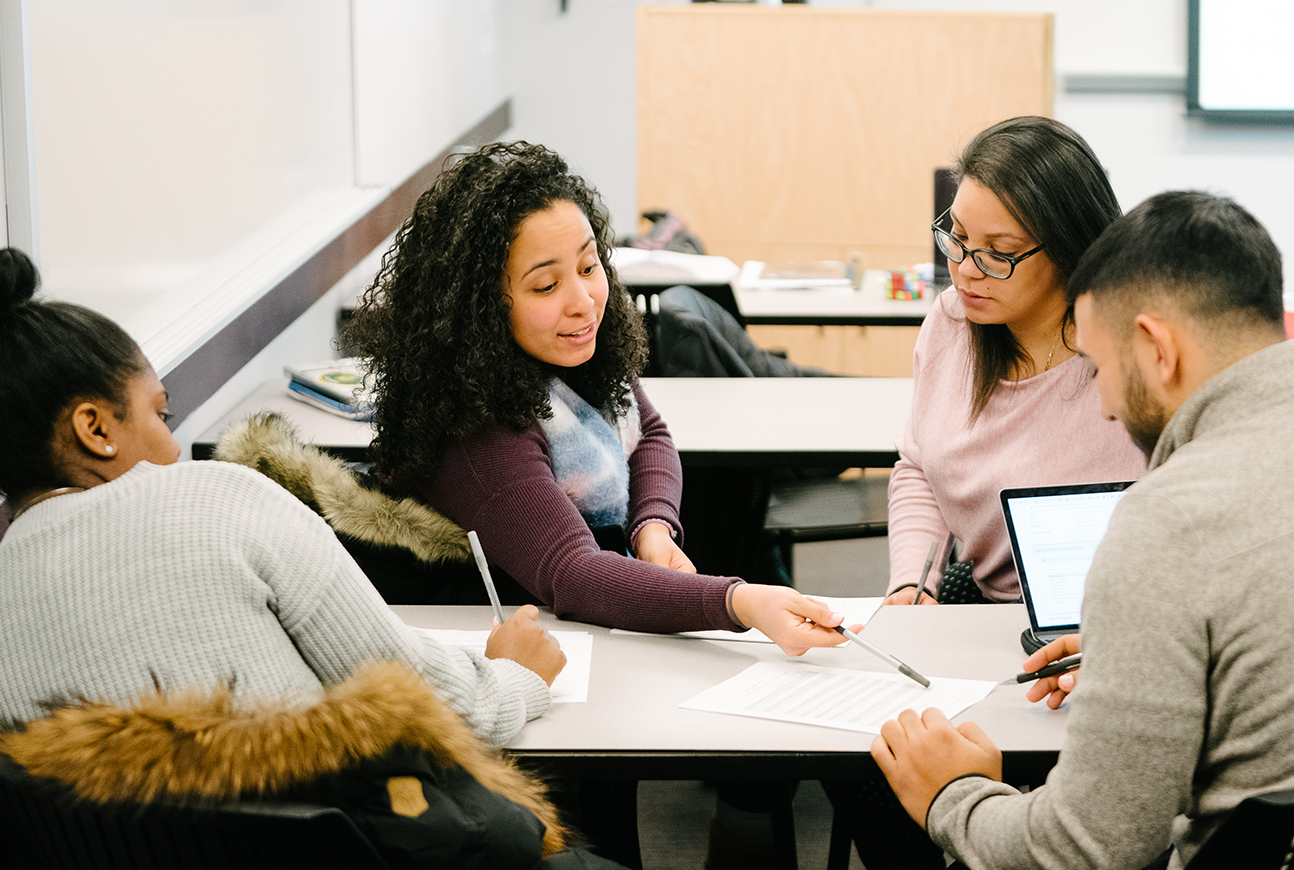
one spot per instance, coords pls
(1054, 532)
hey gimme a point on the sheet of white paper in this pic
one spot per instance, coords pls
(833, 697)
(855, 611)
(571, 685)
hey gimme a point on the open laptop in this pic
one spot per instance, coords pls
(1054, 532)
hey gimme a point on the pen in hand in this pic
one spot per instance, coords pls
(1060, 666)
(484, 568)
(925, 572)
(902, 668)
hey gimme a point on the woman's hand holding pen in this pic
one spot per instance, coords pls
(1054, 689)
(795, 623)
(656, 544)
(524, 642)
(905, 595)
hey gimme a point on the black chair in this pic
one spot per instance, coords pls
(826, 509)
(1258, 834)
(45, 827)
(761, 510)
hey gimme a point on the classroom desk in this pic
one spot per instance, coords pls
(632, 727)
(845, 422)
(715, 421)
(866, 306)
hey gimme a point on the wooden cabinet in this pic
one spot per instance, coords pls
(878, 351)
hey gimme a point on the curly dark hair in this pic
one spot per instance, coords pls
(434, 326)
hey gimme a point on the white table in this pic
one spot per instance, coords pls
(847, 422)
(866, 306)
(714, 421)
(632, 727)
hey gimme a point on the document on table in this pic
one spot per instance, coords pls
(855, 611)
(833, 697)
(571, 685)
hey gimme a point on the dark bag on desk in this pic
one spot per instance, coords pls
(667, 233)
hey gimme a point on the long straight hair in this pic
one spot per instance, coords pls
(1050, 181)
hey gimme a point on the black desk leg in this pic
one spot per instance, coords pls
(609, 819)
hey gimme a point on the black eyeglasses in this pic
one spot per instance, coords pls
(989, 262)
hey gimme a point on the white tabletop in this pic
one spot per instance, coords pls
(805, 421)
(866, 306)
(786, 421)
(637, 683)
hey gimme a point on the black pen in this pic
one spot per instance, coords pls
(1060, 666)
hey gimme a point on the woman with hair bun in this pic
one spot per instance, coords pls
(124, 570)
(505, 355)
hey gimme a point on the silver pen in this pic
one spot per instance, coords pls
(925, 572)
(484, 568)
(884, 656)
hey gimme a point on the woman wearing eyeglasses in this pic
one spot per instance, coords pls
(1001, 398)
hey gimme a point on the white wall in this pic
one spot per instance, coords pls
(575, 91)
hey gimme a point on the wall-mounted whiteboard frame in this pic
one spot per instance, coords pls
(197, 343)
(1237, 61)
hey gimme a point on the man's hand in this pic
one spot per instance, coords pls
(656, 545)
(524, 642)
(1054, 689)
(919, 755)
(795, 623)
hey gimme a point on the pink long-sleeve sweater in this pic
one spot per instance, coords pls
(500, 483)
(1041, 431)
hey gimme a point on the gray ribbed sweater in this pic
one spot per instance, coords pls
(201, 572)
(1185, 701)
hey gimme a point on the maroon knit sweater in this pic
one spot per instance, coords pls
(501, 484)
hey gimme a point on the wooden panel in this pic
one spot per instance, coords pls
(873, 351)
(803, 133)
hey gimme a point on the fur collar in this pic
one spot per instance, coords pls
(269, 444)
(199, 745)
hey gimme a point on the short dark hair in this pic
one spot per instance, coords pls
(52, 354)
(1204, 253)
(1049, 180)
(434, 326)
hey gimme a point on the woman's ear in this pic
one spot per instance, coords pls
(93, 425)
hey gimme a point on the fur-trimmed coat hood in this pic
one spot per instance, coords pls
(269, 444)
(200, 746)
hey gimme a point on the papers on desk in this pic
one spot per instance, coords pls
(822, 275)
(855, 611)
(571, 685)
(833, 697)
(638, 266)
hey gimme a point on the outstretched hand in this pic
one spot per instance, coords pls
(795, 623)
(524, 642)
(919, 755)
(1054, 689)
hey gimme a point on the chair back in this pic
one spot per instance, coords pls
(1259, 834)
(44, 826)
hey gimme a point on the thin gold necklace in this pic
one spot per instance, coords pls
(1054, 342)
(62, 490)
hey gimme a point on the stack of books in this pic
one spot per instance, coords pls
(338, 386)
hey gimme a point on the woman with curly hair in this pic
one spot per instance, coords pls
(505, 356)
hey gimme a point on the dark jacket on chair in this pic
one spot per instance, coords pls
(382, 747)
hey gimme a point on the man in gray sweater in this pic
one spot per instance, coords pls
(1188, 617)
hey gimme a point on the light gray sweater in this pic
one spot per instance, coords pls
(1184, 705)
(200, 572)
